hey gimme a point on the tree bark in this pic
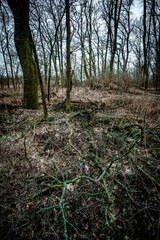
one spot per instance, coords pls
(68, 65)
(156, 22)
(145, 46)
(117, 12)
(23, 43)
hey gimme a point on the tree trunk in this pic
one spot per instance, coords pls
(144, 46)
(40, 78)
(68, 65)
(5, 64)
(117, 13)
(49, 71)
(23, 43)
(157, 84)
(155, 17)
(8, 50)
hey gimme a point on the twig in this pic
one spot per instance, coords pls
(145, 173)
(126, 189)
(49, 142)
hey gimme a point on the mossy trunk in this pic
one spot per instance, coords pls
(23, 43)
(30, 99)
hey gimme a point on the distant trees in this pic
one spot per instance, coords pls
(155, 14)
(6, 48)
(151, 42)
(105, 40)
(119, 26)
(126, 30)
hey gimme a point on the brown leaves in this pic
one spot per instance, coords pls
(29, 205)
(101, 137)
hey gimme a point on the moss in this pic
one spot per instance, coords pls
(29, 74)
(23, 43)
(68, 107)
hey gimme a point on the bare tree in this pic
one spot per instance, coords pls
(7, 37)
(68, 61)
(23, 43)
(107, 13)
(116, 20)
(126, 28)
(145, 55)
(156, 34)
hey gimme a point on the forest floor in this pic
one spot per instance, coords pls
(91, 174)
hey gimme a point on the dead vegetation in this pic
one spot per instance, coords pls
(92, 174)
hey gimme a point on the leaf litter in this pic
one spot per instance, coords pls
(93, 174)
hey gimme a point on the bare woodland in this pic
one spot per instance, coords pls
(79, 120)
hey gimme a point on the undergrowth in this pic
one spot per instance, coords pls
(92, 174)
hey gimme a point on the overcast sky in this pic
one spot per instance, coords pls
(137, 9)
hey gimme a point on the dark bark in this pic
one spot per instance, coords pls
(5, 63)
(82, 38)
(144, 45)
(49, 71)
(23, 43)
(117, 12)
(68, 65)
(107, 10)
(40, 78)
(8, 50)
(156, 21)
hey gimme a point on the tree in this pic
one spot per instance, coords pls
(5, 21)
(82, 36)
(116, 20)
(88, 15)
(145, 44)
(24, 47)
(111, 14)
(38, 19)
(68, 61)
(156, 34)
(126, 30)
(4, 39)
(107, 12)
(137, 48)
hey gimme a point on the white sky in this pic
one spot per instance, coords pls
(137, 9)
